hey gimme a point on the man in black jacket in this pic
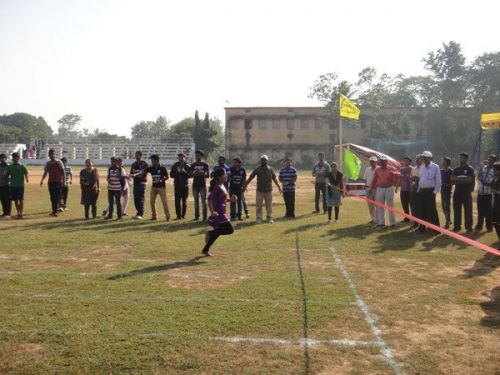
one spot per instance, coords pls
(180, 173)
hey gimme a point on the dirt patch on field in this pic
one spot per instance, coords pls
(15, 357)
(204, 279)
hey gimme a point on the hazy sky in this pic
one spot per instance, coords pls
(118, 62)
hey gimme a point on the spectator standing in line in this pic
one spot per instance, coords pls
(159, 175)
(125, 192)
(265, 177)
(414, 179)
(5, 188)
(17, 174)
(384, 179)
(288, 178)
(485, 179)
(116, 182)
(55, 170)
(137, 172)
(428, 186)
(405, 186)
(89, 183)
(370, 194)
(446, 190)
(319, 172)
(65, 187)
(200, 173)
(238, 179)
(180, 172)
(334, 193)
(495, 219)
(464, 180)
(221, 163)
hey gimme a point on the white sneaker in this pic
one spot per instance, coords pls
(270, 221)
(137, 217)
(258, 221)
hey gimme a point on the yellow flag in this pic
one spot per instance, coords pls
(490, 121)
(348, 109)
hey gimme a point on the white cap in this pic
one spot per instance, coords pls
(264, 157)
(427, 154)
(383, 157)
(373, 158)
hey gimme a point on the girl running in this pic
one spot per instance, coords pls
(217, 205)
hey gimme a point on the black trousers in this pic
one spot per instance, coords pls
(289, 198)
(446, 205)
(319, 189)
(94, 211)
(181, 194)
(6, 200)
(55, 195)
(236, 206)
(64, 196)
(337, 211)
(139, 198)
(427, 200)
(114, 196)
(484, 208)
(462, 199)
(221, 230)
(406, 202)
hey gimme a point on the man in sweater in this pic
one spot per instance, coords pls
(137, 171)
(116, 182)
(57, 176)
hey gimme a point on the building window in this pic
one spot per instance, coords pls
(289, 123)
(276, 123)
(262, 124)
(234, 124)
(304, 123)
(318, 123)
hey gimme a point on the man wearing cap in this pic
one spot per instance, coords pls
(320, 170)
(463, 177)
(429, 184)
(446, 190)
(265, 177)
(405, 185)
(384, 179)
(368, 177)
(180, 172)
(485, 178)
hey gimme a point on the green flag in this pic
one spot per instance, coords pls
(352, 165)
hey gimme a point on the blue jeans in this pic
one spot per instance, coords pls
(139, 198)
(200, 192)
(114, 196)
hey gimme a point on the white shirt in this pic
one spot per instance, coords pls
(368, 176)
(430, 177)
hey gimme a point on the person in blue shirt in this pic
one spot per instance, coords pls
(288, 178)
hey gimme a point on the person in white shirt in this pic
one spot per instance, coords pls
(429, 184)
(368, 176)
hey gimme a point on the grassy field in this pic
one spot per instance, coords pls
(294, 297)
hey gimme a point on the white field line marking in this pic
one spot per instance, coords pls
(94, 297)
(235, 339)
(370, 320)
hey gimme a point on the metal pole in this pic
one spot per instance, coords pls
(340, 145)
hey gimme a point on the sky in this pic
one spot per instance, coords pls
(117, 62)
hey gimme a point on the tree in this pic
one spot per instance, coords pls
(183, 129)
(23, 128)
(68, 126)
(151, 130)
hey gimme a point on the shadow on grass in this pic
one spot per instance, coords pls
(162, 267)
(360, 231)
(482, 266)
(492, 310)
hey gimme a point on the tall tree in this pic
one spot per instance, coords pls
(23, 128)
(68, 126)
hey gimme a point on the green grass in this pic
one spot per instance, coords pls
(132, 297)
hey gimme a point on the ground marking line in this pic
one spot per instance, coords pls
(304, 306)
(370, 320)
(94, 297)
(231, 339)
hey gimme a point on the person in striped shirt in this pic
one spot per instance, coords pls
(116, 182)
(65, 187)
(288, 177)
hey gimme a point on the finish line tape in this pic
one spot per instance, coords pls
(478, 245)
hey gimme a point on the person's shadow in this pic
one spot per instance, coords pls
(482, 266)
(161, 267)
(492, 310)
